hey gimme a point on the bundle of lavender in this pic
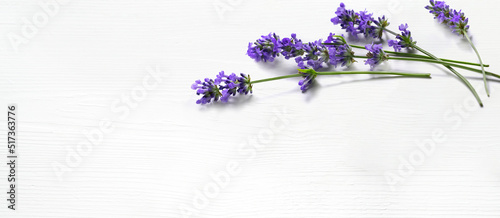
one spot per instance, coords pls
(335, 51)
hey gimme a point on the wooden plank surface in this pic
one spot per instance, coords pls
(108, 127)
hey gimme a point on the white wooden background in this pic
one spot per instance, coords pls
(348, 148)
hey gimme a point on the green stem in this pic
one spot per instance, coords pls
(391, 32)
(447, 66)
(478, 71)
(455, 72)
(426, 75)
(422, 56)
(354, 46)
(480, 61)
(444, 63)
(426, 57)
(276, 78)
(437, 62)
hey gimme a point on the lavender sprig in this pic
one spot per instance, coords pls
(457, 21)
(403, 40)
(291, 47)
(375, 55)
(223, 87)
(208, 89)
(384, 28)
(265, 49)
(359, 23)
(315, 55)
(454, 19)
(309, 76)
(340, 52)
(336, 51)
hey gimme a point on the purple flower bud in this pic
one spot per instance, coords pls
(308, 79)
(291, 47)
(454, 19)
(403, 40)
(359, 23)
(315, 55)
(265, 49)
(223, 87)
(340, 53)
(376, 54)
(395, 44)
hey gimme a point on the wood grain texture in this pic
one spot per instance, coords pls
(278, 153)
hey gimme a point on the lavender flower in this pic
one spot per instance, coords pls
(395, 44)
(265, 49)
(316, 54)
(268, 47)
(439, 9)
(376, 55)
(365, 24)
(404, 40)
(454, 19)
(223, 87)
(347, 19)
(359, 23)
(244, 84)
(457, 21)
(313, 55)
(208, 89)
(380, 24)
(291, 47)
(340, 52)
(308, 78)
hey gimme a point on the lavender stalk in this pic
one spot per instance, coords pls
(224, 86)
(457, 21)
(363, 23)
